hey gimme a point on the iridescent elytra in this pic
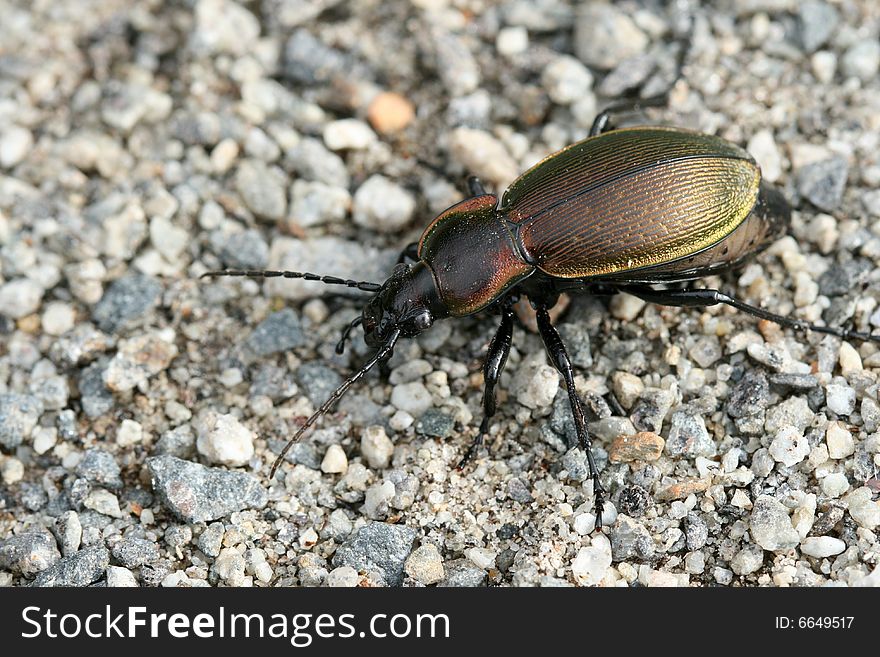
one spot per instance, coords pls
(624, 210)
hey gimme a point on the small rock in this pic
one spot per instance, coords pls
(262, 188)
(135, 552)
(822, 183)
(377, 500)
(462, 572)
(196, 493)
(80, 569)
(390, 112)
(747, 560)
(835, 484)
(413, 398)
(347, 134)
(822, 546)
(435, 422)
(382, 205)
(378, 548)
(566, 80)
(20, 298)
(69, 530)
(789, 446)
(840, 399)
(604, 36)
(125, 301)
(312, 161)
(862, 60)
(99, 467)
(592, 563)
(29, 553)
(281, 331)
(103, 502)
(839, 440)
(481, 153)
(817, 21)
(770, 525)
(335, 461)
(224, 26)
(425, 565)
(318, 381)
(15, 145)
(138, 359)
(313, 203)
(342, 577)
(118, 577)
(627, 388)
(536, 384)
(862, 507)
(688, 436)
(225, 440)
(376, 447)
(762, 147)
(643, 446)
(631, 540)
(58, 317)
(18, 417)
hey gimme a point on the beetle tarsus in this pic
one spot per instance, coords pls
(560, 360)
(340, 346)
(709, 297)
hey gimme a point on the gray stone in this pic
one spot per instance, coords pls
(604, 36)
(435, 422)
(135, 552)
(747, 560)
(125, 301)
(461, 572)
(80, 569)
(195, 493)
(749, 396)
(770, 525)
(817, 21)
(19, 415)
(630, 540)
(99, 467)
(688, 436)
(822, 183)
(244, 250)
(308, 60)
(317, 381)
(378, 548)
(281, 331)
(29, 553)
(263, 189)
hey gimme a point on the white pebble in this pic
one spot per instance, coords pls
(849, 359)
(537, 385)
(835, 484)
(118, 577)
(15, 143)
(592, 563)
(425, 565)
(223, 439)
(481, 557)
(130, 433)
(839, 440)
(231, 377)
(512, 41)
(12, 470)
(382, 205)
(168, 239)
(626, 307)
(343, 577)
(763, 147)
(789, 446)
(348, 134)
(58, 318)
(224, 155)
(335, 461)
(376, 499)
(19, 298)
(822, 546)
(45, 439)
(376, 447)
(413, 398)
(566, 80)
(401, 421)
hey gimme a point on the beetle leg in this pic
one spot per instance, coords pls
(475, 186)
(499, 348)
(602, 122)
(710, 297)
(410, 251)
(559, 357)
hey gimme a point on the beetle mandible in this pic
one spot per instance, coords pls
(621, 211)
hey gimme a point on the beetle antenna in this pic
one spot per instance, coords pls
(267, 273)
(340, 346)
(383, 353)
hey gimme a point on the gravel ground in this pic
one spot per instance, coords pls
(142, 144)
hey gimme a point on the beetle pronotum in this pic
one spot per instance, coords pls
(621, 211)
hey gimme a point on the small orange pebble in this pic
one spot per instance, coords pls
(390, 112)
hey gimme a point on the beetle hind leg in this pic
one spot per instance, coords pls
(559, 357)
(499, 349)
(709, 297)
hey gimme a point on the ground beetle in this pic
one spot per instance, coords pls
(621, 211)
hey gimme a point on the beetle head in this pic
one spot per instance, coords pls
(408, 302)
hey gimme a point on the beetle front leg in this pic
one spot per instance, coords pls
(708, 297)
(499, 349)
(558, 356)
(410, 251)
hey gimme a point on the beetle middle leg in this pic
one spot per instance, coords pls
(709, 297)
(499, 349)
(602, 122)
(558, 356)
